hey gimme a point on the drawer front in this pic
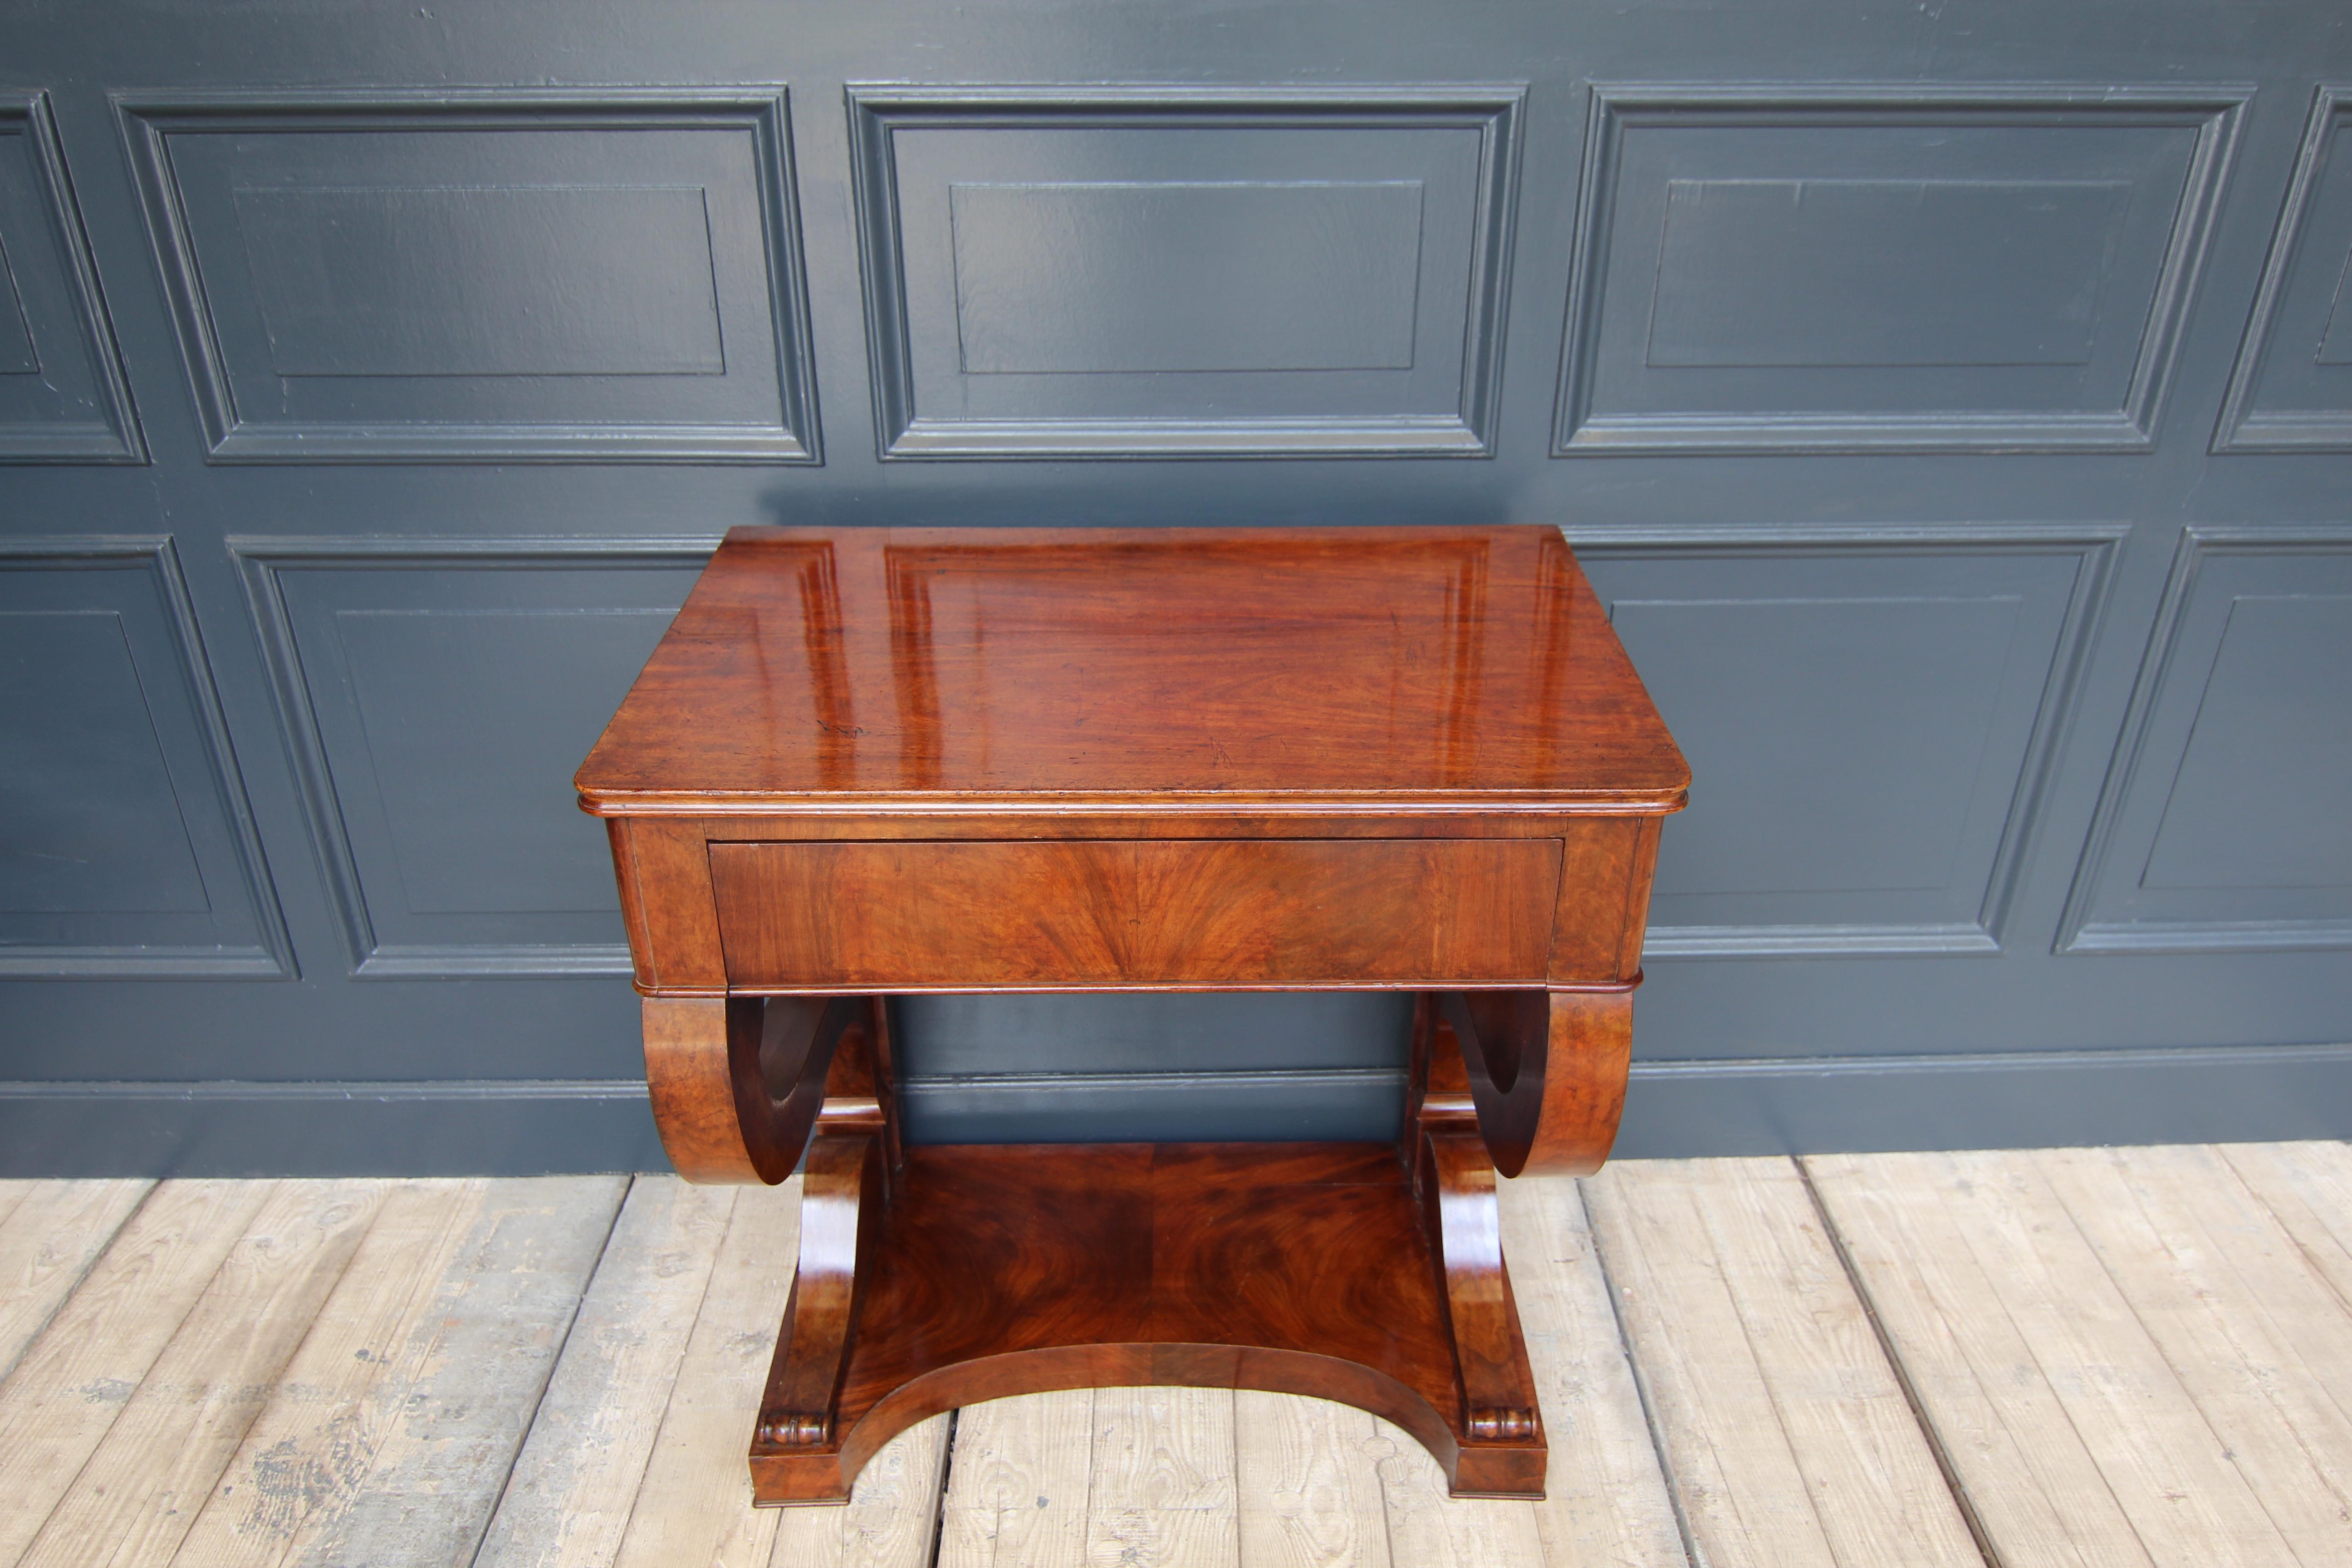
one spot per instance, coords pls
(1104, 913)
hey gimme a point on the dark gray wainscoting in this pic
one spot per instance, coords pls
(1954, 406)
(452, 1127)
(2033, 1099)
(1674, 1110)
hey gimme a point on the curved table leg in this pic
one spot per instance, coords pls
(1514, 1083)
(1501, 1450)
(738, 1082)
(1547, 1072)
(1498, 1392)
(796, 1448)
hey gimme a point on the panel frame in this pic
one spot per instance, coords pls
(123, 441)
(2240, 426)
(877, 111)
(262, 562)
(2217, 110)
(2096, 546)
(273, 957)
(147, 120)
(2080, 930)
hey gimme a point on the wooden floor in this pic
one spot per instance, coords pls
(2131, 1358)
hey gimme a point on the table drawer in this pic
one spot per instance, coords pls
(1146, 912)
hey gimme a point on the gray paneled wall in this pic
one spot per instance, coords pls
(511, 275)
(1954, 406)
(128, 848)
(1928, 268)
(424, 688)
(1975, 642)
(62, 396)
(1323, 267)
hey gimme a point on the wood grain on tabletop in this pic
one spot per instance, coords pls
(915, 664)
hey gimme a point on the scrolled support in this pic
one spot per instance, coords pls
(841, 1197)
(738, 1082)
(1547, 1072)
(1464, 1226)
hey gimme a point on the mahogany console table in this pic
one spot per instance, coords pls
(869, 762)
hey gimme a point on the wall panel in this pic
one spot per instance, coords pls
(1910, 268)
(127, 848)
(2291, 388)
(1919, 339)
(2223, 826)
(1872, 714)
(434, 697)
(1171, 272)
(62, 394)
(482, 275)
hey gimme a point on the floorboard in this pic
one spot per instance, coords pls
(1309, 1491)
(1160, 1478)
(1017, 1482)
(2171, 1474)
(1606, 1499)
(1428, 1528)
(74, 1380)
(1787, 1431)
(2308, 1189)
(2135, 1358)
(460, 1388)
(2020, 1461)
(2259, 1343)
(693, 1503)
(53, 1233)
(568, 1499)
(141, 1489)
(301, 1464)
(892, 1517)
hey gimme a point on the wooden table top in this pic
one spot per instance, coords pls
(1391, 668)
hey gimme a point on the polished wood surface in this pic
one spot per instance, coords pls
(1455, 1179)
(1370, 1273)
(817, 671)
(663, 867)
(1297, 1268)
(869, 762)
(1546, 1070)
(740, 1085)
(841, 1204)
(1288, 912)
(1603, 867)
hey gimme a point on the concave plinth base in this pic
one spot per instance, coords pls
(1296, 1268)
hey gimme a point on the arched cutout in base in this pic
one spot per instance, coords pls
(1294, 1268)
(1371, 1274)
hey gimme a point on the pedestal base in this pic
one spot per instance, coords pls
(1311, 1269)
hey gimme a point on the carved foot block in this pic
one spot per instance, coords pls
(1293, 1269)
